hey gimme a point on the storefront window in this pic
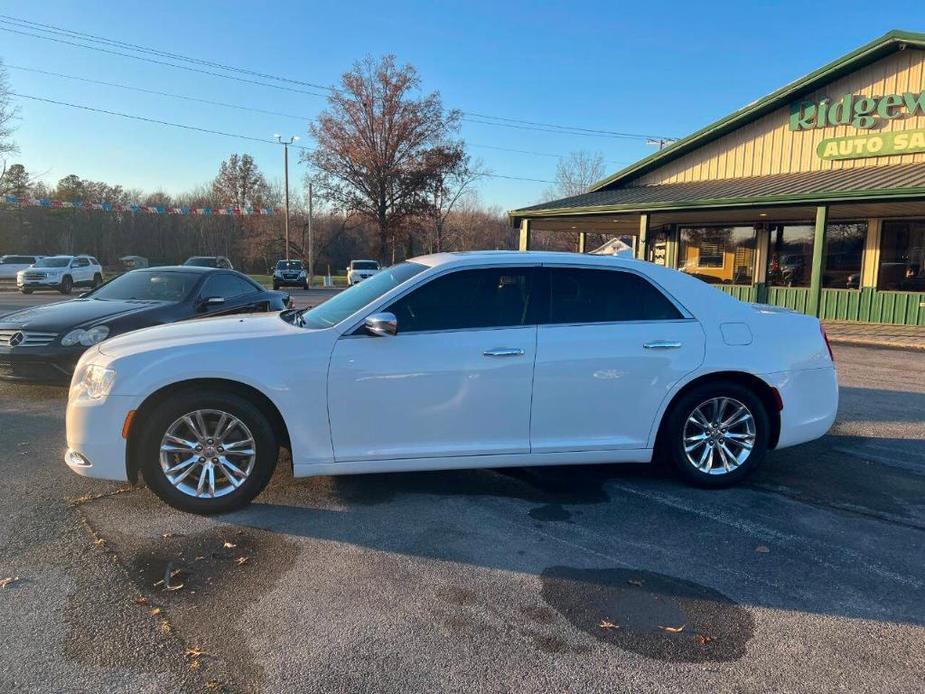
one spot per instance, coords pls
(902, 256)
(718, 255)
(790, 255)
(844, 247)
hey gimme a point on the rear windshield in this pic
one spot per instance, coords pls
(365, 265)
(53, 262)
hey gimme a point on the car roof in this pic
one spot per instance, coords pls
(462, 258)
(198, 269)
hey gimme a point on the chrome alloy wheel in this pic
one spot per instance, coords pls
(719, 436)
(207, 453)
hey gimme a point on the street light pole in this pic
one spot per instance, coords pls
(311, 239)
(285, 144)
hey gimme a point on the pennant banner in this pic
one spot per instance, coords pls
(143, 209)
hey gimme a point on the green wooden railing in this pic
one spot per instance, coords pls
(742, 292)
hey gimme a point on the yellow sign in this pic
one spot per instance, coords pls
(879, 145)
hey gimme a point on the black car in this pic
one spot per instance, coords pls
(42, 344)
(289, 273)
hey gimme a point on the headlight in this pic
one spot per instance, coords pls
(302, 274)
(94, 382)
(87, 338)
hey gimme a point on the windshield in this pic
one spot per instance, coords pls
(202, 262)
(148, 286)
(365, 265)
(349, 301)
(54, 262)
(16, 260)
(290, 265)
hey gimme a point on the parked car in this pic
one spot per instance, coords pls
(469, 360)
(60, 272)
(289, 273)
(217, 261)
(10, 265)
(361, 270)
(42, 344)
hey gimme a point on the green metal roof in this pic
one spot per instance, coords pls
(886, 44)
(901, 181)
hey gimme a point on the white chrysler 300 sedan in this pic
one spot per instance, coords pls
(459, 360)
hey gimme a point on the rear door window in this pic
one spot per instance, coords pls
(581, 295)
(227, 286)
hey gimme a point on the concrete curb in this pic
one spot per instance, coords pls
(879, 344)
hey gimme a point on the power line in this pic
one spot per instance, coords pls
(157, 92)
(499, 121)
(210, 131)
(241, 107)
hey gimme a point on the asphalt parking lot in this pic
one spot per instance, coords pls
(809, 577)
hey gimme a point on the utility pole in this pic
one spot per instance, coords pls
(311, 250)
(660, 142)
(285, 144)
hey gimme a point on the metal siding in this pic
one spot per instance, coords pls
(746, 151)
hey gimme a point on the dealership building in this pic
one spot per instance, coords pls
(812, 197)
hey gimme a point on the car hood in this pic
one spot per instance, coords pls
(63, 315)
(203, 330)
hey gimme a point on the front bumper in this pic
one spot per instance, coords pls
(290, 281)
(47, 283)
(94, 437)
(45, 365)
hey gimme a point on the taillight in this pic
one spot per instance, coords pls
(827, 343)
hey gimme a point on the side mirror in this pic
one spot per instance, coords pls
(83, 295)
(381, 324)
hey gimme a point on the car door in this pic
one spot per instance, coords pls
(454, 381)
(238, 294)
(609, 349)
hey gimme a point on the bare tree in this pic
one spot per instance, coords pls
(8, 114)
(376, 145)
(240, 183)
(575, 174)
(453, 178)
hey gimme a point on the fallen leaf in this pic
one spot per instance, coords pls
(200, 558)
(702, 639)
(165, 626)
(605, 624)
(141, 600)
(8, 581)
(673, 630)
(154, 611)
(229, 545)
(635, 582)
(762, 548)
(99, 541)
(176, 587)
(195, 652)
(213, 685)
(167, 536)
(242, 560)
(194, 665)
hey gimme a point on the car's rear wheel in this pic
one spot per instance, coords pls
(66, 285)
(207, 451)
(275, 286)
(716, 434)
(26, 291)
(97, 280)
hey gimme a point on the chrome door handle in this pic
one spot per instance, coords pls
(504, 352)
(662, 344)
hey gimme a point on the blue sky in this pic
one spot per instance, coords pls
(655, 67)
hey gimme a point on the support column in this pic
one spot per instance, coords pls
(815, 281)
(524, 244)
(674, 241)
(642, 242)
(871, 258)
(582, 242)
(762, 244)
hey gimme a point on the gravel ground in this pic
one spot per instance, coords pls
(606, 578)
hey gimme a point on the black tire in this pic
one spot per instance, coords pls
(305, 285)
(275, 286)
(26, 291)
(156, 424)
(97, 280)
(67, 284)
(672, 435)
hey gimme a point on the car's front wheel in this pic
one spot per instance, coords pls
(207, 451)
(716, 434)
(66, 285)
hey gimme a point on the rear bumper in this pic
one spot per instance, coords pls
(94, 437)
(810, 400)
